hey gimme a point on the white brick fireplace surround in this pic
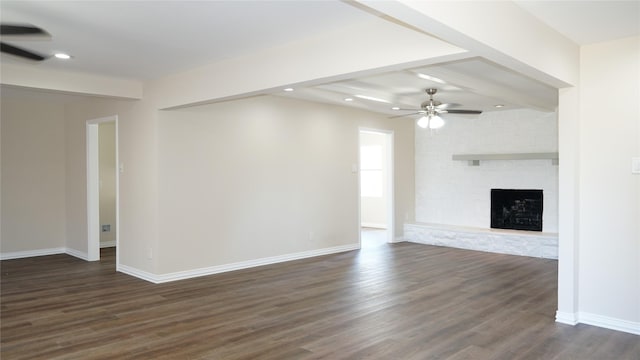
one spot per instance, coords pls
(453, 201)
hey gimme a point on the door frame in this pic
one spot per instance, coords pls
(93, 188)
(390, 175)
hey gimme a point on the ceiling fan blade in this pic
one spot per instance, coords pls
(460, 111)
(21, 30)
(16, 51)
(403, 115)
(447, 105)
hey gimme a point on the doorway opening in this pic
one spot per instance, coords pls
(376, 187)
(102, 186)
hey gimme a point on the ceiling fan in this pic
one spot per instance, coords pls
(22, 30)
(431, 109)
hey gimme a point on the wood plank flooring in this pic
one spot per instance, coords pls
(400, 301)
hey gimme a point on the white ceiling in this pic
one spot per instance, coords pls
(587, 22)
(151, 39)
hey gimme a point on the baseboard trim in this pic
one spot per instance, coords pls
(79, 254)
(566, 318)
(44, 252)
(106, 244)
(140, 274)
(188, 274)
(609, 323)
(182, 275)
(399, 239)
(373, 225)
(599, 321)
(31, 253)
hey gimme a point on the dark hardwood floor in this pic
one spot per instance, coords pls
(400, 301)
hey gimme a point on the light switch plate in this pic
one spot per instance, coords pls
(635, 165)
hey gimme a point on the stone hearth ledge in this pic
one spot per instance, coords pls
(514, 242)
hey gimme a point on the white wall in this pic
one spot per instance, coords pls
(264, 177)
(327, 130)
(107, 175)
(609, 247)
(33, 175)
(373, 209)
(138, 229)
(454, 193)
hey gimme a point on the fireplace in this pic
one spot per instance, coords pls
(516, 209)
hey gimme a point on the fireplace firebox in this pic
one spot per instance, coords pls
(516, 209)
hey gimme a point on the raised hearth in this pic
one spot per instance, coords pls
(514, 242)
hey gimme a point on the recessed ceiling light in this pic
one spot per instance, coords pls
(62, 56)
(372, 98)
(498, 105)
(348, 99)
(288, 89)
(395, 108)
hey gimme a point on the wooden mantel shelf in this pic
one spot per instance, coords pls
(474, 159)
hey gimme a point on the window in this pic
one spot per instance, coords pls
(371, 171)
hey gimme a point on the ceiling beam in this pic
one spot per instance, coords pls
(362, 49)
(499, 31)
(69, 82)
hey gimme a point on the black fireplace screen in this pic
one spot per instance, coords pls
(516, 209)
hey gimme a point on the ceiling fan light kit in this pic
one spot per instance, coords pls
(423, 122)
(430, 122)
